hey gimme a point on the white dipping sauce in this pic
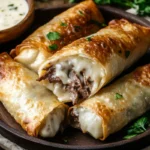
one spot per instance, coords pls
(12, 12)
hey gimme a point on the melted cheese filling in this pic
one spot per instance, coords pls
(53, 123)
(88, 122)
(91, 69)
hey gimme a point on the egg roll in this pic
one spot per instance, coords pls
(114, 106)
(33, 106)
(76, 22)
(83, 67)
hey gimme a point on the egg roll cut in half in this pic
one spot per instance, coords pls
(33, 106)
(83, 67)
(76, 22)
(114, 106)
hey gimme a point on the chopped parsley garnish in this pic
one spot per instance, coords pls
(138, 127)
(53, 47)
(142, 6)
(127, 54)
(103, 24)
(13, 8)
(53, 36)
(65, 141)
(22, 14)
(72, 1)
(81, 13)
(10, 5)
(118, 96)
(89, 38)
(129, 136)
(77, 28)
(63, 24)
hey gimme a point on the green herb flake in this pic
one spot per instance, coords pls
(118, 96)
(129, 136)
(142, 6)
(81, 13)
(53, 36)
(103, 24)
(13, 8)
(63, 24)
(127, 54)
(72, 1)
(10, 5)
(89, 38)
(53, 47)
(138, 127)
(22, 14)
(65, 141)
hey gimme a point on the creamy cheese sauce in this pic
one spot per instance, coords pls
(12, 12)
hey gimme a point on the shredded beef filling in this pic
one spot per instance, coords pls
(80, 86)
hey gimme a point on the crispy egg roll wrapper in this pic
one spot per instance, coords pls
(103, 114)
(34, 107)
(83, 67)
(76, 22)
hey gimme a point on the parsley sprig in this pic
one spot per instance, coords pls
(138, 127)
(53, 47)
(143, 6)
(53, 36)
(118, 96)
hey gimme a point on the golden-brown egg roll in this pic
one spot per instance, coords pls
(33, 106)
(114, 106)
(76, 22)
(83, 67)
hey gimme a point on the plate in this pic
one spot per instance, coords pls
(75, 139)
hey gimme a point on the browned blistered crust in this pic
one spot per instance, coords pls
(4, 57)
(142, 75)
(120, 37)
(79, 23)
(110, 115)
(101, 110)
(6, 71)
(10, 70)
